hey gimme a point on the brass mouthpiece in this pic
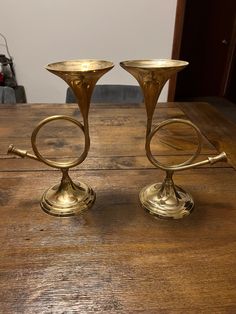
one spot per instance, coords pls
(221, 157)
(20, 152)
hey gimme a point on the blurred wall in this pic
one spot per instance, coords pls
(40, 32)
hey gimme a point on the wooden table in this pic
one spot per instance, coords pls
(116, 258)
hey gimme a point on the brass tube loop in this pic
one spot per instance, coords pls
(176, 167)
(55, 164)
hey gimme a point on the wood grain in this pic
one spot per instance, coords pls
(115, 257)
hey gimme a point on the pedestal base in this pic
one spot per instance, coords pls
(174, 205)
(64, 202)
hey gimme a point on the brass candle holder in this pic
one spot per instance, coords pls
(165, 199)
(68, 198)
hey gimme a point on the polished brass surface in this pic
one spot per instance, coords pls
(69, 198)
(152, 76)
(81, 76)
(73, 67)
(66, 198)
(164, 200)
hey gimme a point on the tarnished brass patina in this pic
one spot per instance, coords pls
(69, 198)
(164, 200)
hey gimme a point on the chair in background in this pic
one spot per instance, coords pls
(10, 95)
(111, 94)
(7, 95)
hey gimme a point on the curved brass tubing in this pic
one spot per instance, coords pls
(59, 165)
(67, 198)
(188, 163)
(55, 164)
(166, 200)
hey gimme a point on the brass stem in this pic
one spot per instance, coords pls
(167, 191)
(86, 135)
(66, 182)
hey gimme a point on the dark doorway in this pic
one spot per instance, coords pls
(207, 41)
